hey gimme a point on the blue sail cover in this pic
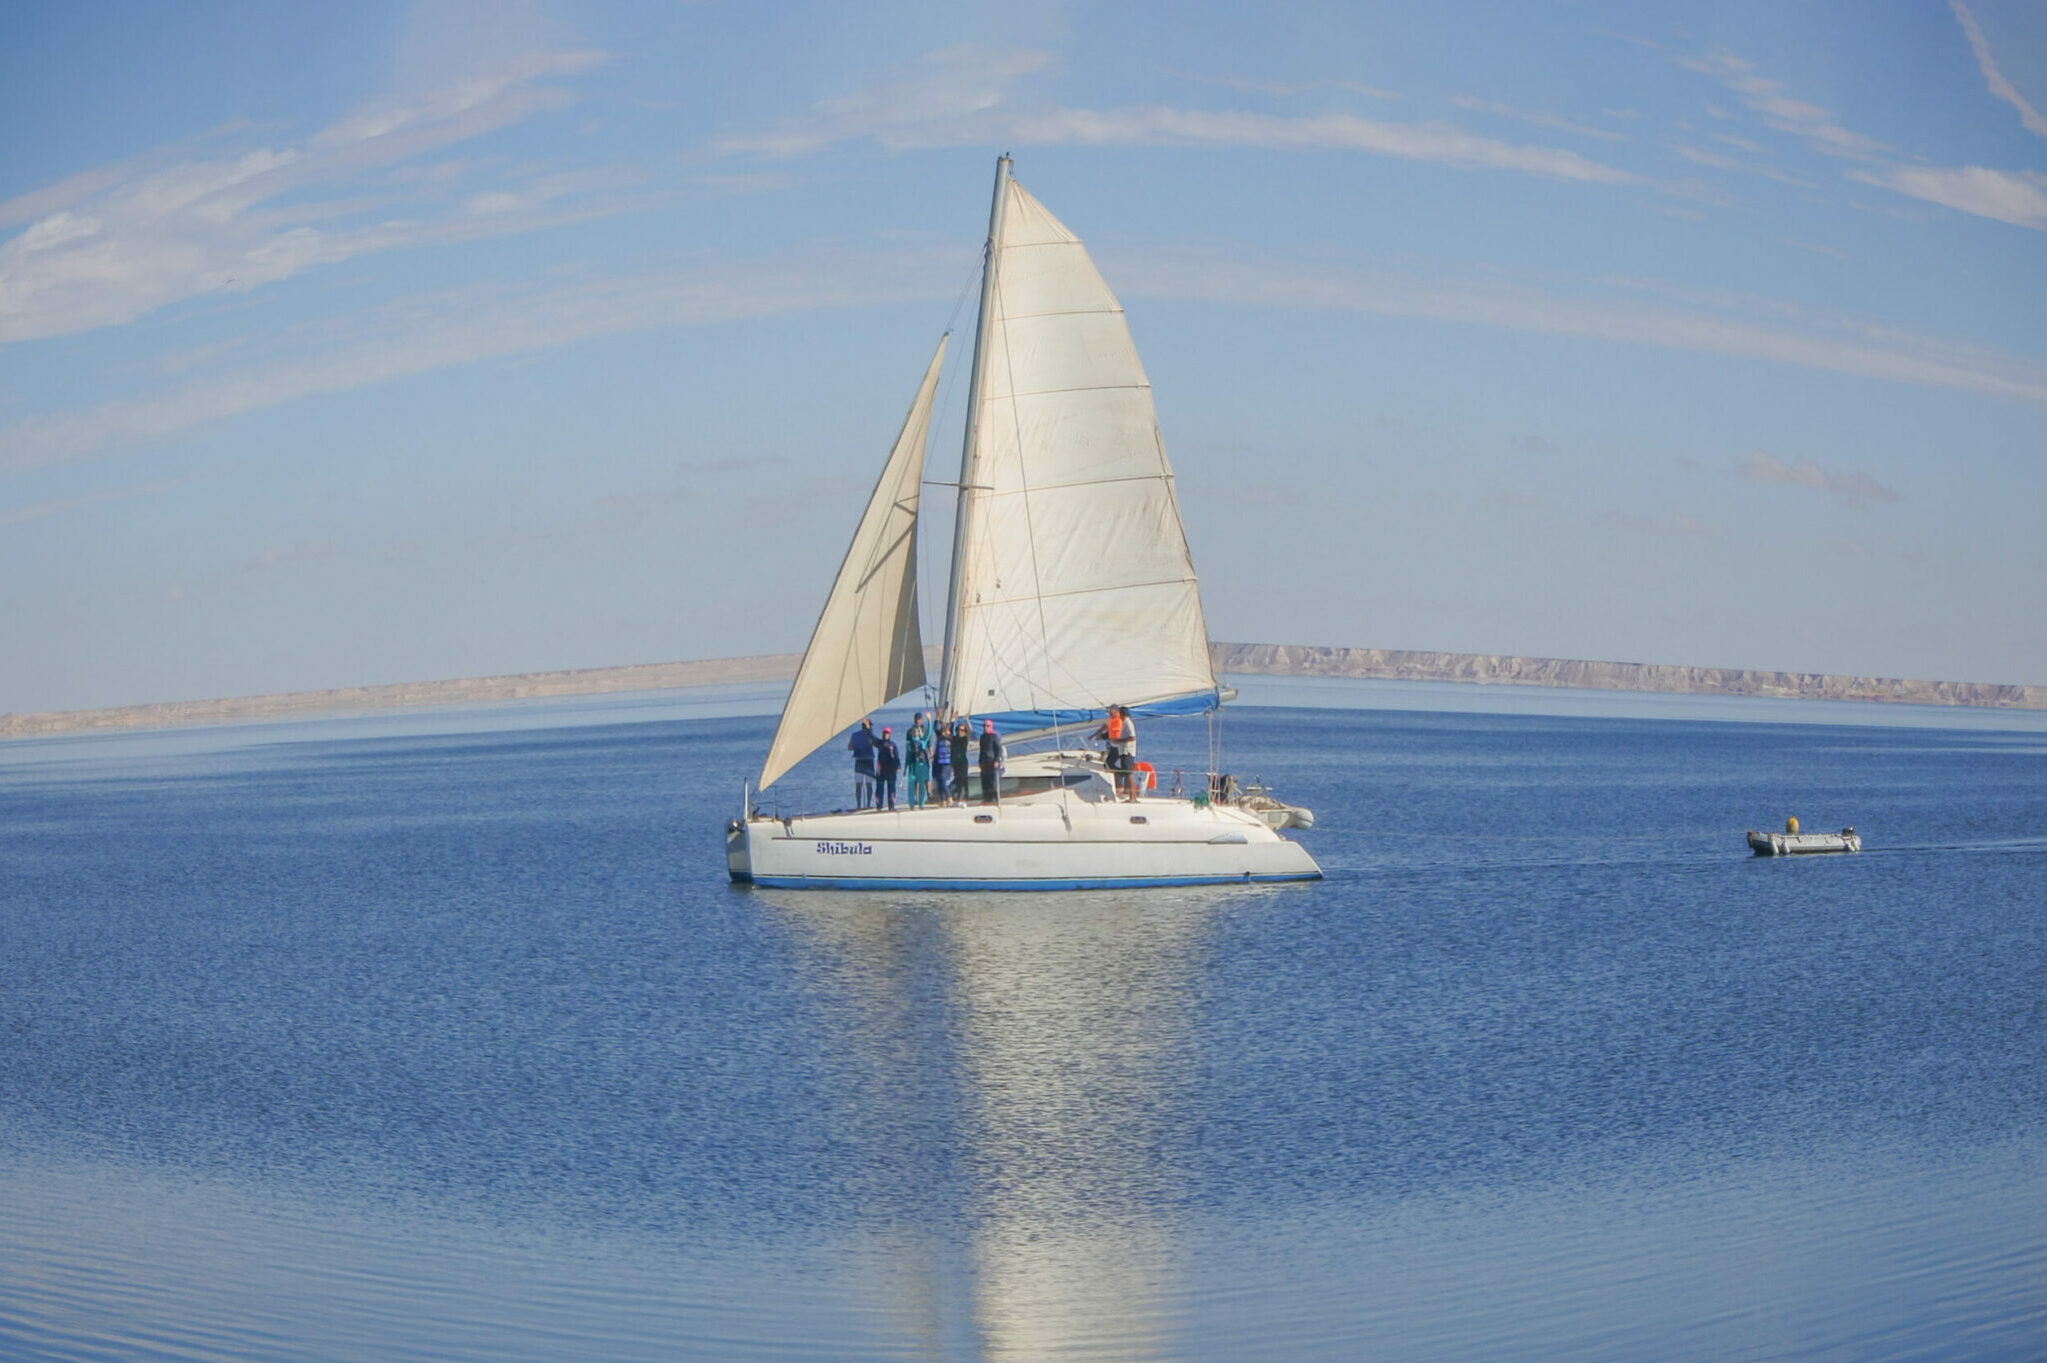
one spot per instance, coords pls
(1013, 721)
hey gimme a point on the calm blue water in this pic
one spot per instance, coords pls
(334, 1042)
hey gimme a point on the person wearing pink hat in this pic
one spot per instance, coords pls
(888, 760)
(991, 761)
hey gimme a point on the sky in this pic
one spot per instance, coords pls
(367, 343)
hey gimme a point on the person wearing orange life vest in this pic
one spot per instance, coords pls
(1119, 731)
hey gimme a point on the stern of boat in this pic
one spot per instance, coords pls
(738, 855)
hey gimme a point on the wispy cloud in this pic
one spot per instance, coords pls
(1538, 119)
(2003, 89)
(435, 331)
(1833, 251)
(1279, 89)
(1662, 527)
(1853, 487)
(934, 101)
(110, 245)
(750, 182)
(1858, 550)
(2016, 197)
(439, 330)
(305, 551)
(56, 506)
(1767, 98)
(963, 96)
(1700, 156)
(1634, 39)
(1610, 311)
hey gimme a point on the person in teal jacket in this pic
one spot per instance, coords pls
(917, 761)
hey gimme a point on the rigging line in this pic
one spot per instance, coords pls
(973, 273)
(952, 318)
(950, 382)
(884, 554)
(1088, 388)
(1005, 672)
(947, 386)
(1030, 529)
(1106, 587)
(884, 549)
(1070, 312)
(993, 491)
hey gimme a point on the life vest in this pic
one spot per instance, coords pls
(1115, 727)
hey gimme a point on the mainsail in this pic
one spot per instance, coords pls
(866, 649)
(1072, 585)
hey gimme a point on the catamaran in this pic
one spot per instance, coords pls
(1071, 590)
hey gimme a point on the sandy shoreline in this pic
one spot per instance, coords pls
(1279, 660)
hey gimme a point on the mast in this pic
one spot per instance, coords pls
(947, 665)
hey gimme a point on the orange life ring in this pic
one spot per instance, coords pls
(1150, 774)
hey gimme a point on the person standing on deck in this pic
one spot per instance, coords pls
(1113, 733)
(962, 736)
(941, 764)
(887, 762)
(1128, 749)
(917, 761)
(861, 745)
(991, 761)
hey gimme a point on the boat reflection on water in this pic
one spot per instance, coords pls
(1045, 1042)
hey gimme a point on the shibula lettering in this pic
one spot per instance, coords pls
(845, 849)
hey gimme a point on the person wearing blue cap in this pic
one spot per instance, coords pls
(861, 745)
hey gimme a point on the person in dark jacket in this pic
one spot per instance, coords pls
(861, 745)
(962, 739)
(941, 762)
(991, 761)
(888, 760)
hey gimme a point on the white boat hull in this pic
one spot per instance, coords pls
(1060, 841)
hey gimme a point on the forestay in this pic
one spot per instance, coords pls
(1074, 586)
(866, 649)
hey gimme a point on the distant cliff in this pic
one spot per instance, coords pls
(588, 681)
(1280, 660)
(1301, 660)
